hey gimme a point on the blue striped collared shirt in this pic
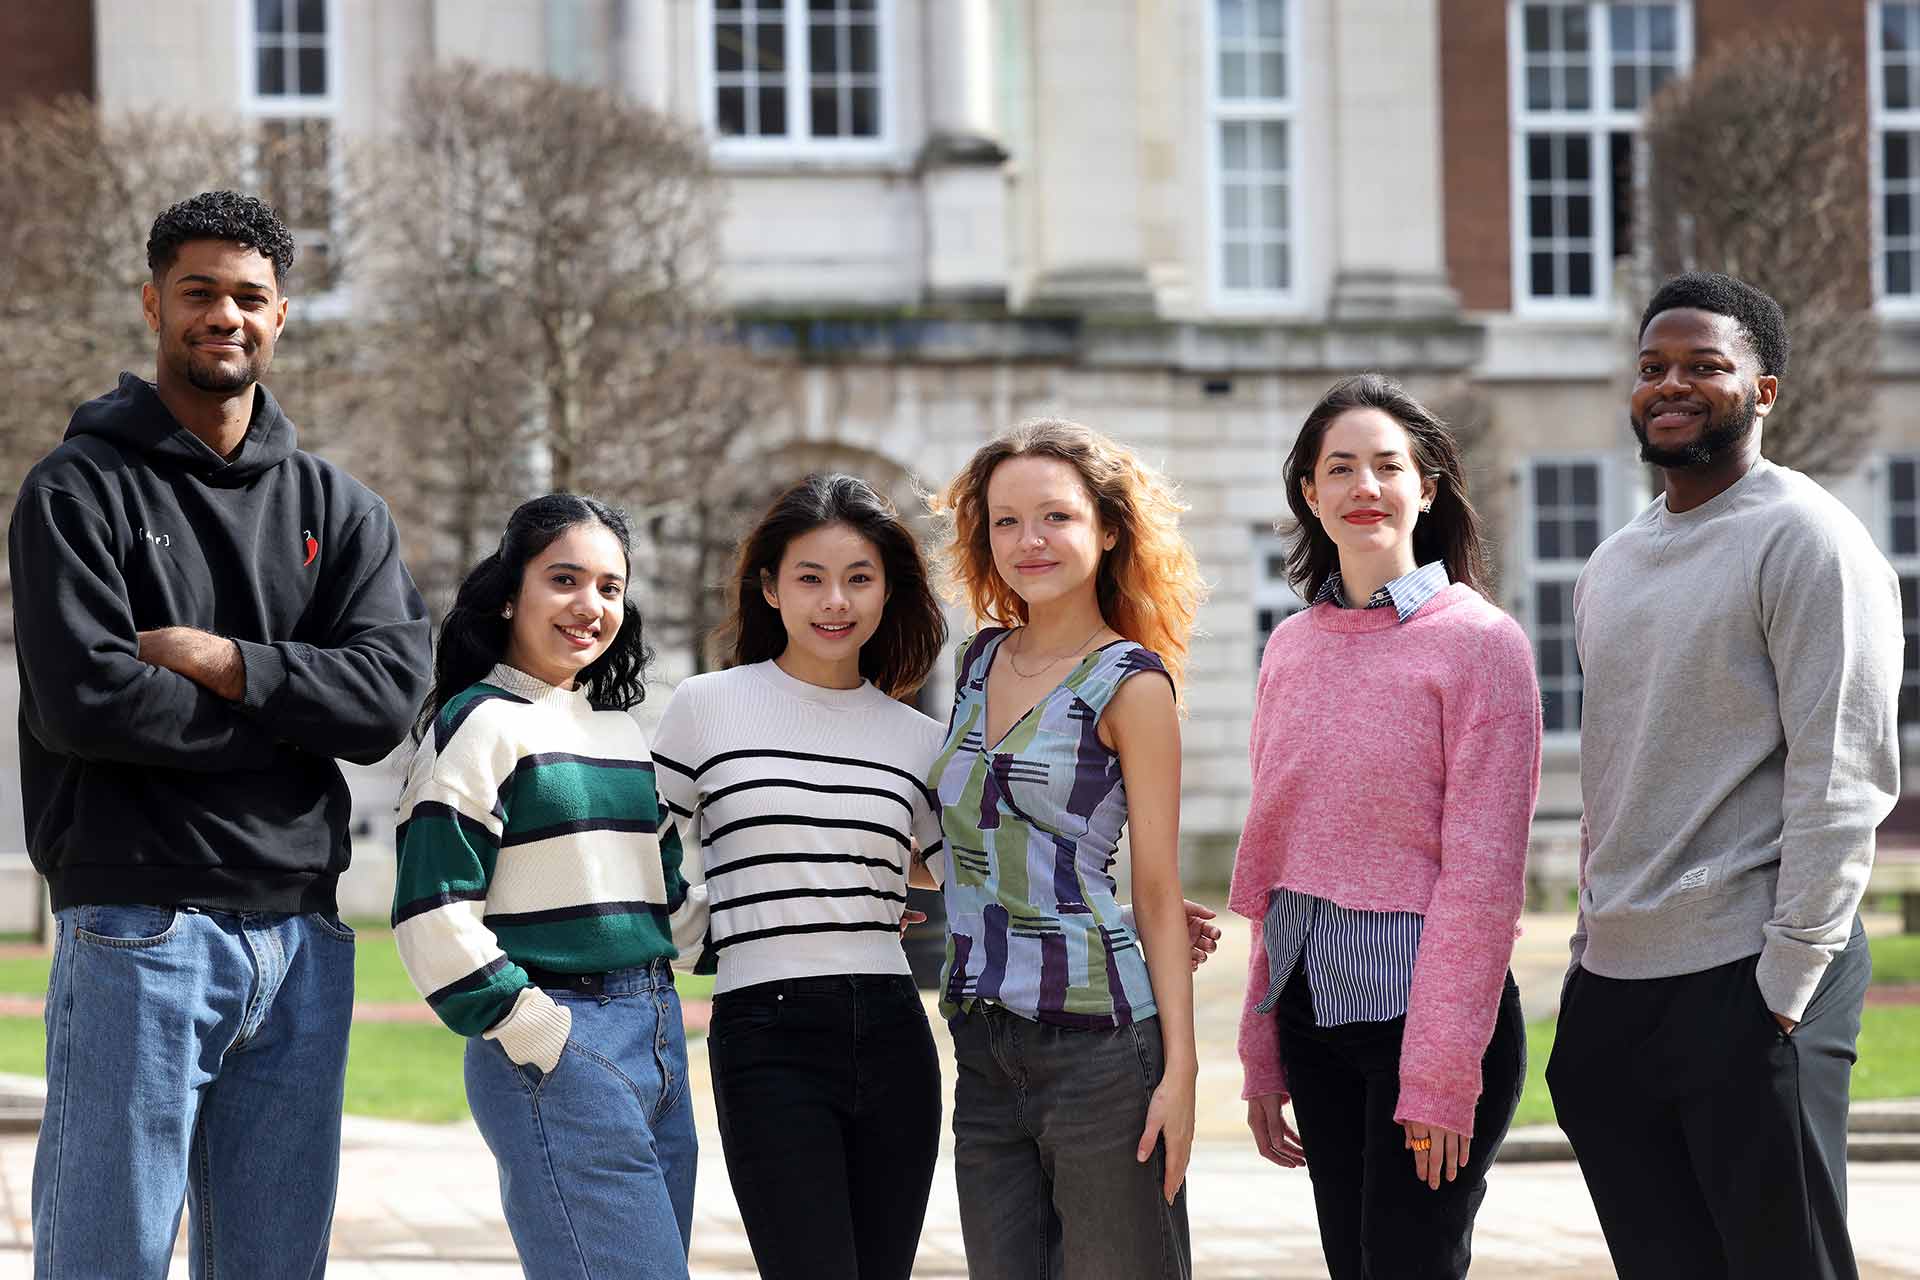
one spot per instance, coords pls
(1359, 963)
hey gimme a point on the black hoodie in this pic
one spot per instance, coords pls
(139, 785)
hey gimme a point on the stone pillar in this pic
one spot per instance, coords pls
(1085, 173)
(1385, 84)
(645, 60)
(962, 163)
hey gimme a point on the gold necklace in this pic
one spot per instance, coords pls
(1013, 654)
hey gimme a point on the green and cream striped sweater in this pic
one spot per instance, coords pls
(529, 834)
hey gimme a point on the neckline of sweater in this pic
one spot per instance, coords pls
(1329, 616)
(535, 690)
(833, 699)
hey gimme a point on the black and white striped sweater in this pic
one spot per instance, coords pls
(798, 807)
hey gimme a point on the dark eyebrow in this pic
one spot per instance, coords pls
(580, 568)
(244, 286)
(1697, 351)
(814, 564)
(1352, 457)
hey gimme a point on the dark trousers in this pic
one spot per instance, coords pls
(1378, 1221)
(1714, 1144)
(828, 1094)
(1046, 1120)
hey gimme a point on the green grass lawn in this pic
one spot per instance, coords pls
(395, 1070)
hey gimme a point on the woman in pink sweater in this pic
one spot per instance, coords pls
(1396, 757)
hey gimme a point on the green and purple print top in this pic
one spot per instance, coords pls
(1032, 825)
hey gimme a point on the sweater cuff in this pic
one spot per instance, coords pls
(265, 673)
(1432, 1106)
(1787, 974)
(535, 1031)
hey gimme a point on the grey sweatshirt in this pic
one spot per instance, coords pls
(1738, 743)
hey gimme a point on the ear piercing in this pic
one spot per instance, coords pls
(507, 612)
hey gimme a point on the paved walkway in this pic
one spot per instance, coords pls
(419, 1202)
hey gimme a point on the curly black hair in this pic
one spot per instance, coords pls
(473, 638)
(1761, 321)
(221, 215)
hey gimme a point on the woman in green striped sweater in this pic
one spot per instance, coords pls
(535, 899)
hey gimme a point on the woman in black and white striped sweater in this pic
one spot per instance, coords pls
(795, 778)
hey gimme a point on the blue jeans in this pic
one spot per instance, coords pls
(194, 1056)
(597, 1156)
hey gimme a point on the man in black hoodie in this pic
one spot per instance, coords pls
(205, 618)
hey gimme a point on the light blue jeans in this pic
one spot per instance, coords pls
(596, 1157)
(192, 1056)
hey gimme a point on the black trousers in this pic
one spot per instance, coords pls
(1714, 1144)
(1377, 1220)
(828, 1094)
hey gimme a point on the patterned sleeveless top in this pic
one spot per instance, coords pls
(1032, 824)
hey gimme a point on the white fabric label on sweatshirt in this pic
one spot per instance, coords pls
(1695, 879)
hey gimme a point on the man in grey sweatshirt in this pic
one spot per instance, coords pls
(1741, 642)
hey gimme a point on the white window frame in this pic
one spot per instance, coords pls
(1906, 564)
(797, 144)
(1565, 569)
(1880, 122)
(1597, 123)
(1255, 111)
(1269, 592)
(258, 108)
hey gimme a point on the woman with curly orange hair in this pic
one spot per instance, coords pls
(1073, 1033)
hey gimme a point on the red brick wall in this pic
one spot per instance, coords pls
(1476, 178)
(46, 49)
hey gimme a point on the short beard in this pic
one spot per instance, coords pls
(1721, 436)
(224, 381)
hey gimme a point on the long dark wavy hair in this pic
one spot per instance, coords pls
(473, 638)
(912, 630)
(1450, 532)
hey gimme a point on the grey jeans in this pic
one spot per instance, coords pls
(1045, 1123)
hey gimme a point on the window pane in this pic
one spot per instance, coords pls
(1535, 23)
(1620, 28)
(1574, 28)
(1233, 75)
(1273, 75)
(729, 47)
(1547, 541)
(731, 111)
(1238, 267)
(1894, 155)
(866, 113)
(823, 50)
(1896, 87)
(1540, 275)
(1539, 89)
(311, 17)
(1580, 275)
(773, 112)
(1552, 664)
(825, 104)
(313, 71)
(1273, 267)
(1586, 486)
(1233, 146)
(1272, 16)
(1539, 156)
(1234, 207)
(1626, 88)
(1899, 272)
(1901, 475)
(270, 70)
(1586, 536)
(864, 48)
(1546, 486)
(1906, 534)
(269, 17)
(1579, 217)
(1274, 205)
(1231, 19)
(1663, 29)
(771, 45)
(1899, 213)
(1553, 710)
(1575, 86)
(1273, 148)
(1576, 150)
(1893, 28)
(1540, 216)
(1546, 606)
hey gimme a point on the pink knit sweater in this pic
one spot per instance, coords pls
(1395, 766)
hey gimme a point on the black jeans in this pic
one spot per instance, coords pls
(1046, 1120)
(1713, 1143)
(828, 1093)
(1378, 1221)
